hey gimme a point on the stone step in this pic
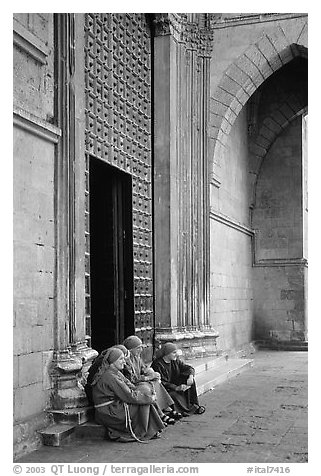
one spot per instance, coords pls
(90, 430)
(204, 364)
(56, 434)
(220, 372)
(71, 416)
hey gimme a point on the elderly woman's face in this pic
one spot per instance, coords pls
(136, 351)
(172, 356)
(119, 363)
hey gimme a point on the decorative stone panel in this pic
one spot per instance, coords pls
(118, 131)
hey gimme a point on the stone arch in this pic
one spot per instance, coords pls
(245, 75)
(271, 128)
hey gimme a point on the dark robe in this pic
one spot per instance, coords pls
(136, 371)
(174, 374)
(114, 386)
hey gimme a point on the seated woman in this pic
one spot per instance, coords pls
(141, 375)
(178, 379)
(93, 369)
(127, 413)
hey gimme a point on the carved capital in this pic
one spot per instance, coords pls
(161, 23)
(169, 24)
(199, 38)
(193, 30)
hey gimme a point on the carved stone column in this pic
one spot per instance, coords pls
(72, 356)
(182, 46)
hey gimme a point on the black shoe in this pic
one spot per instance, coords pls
(167, 420)
(175, 415)
(199, 410)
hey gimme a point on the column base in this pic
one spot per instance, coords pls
(194, 341)
(69, 375)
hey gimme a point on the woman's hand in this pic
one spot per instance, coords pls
(182, 387)
(149, 371)
(190, 380)
(152, 376)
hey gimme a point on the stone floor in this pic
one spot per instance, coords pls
(260, 416)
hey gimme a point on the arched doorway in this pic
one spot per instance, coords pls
(259, 96)
(279, 204)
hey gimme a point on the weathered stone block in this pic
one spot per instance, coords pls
(30, 368)
(249, 68)
(29, 400)
(269, 52)
(15, 371)
(40, 23)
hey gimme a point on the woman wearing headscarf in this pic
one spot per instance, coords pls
(127, 413)
(143, 375)
(178, 379)
(146, 386)
(93, 369)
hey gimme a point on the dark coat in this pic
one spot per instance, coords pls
(174, 374)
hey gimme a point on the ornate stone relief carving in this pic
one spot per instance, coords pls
(194, 30)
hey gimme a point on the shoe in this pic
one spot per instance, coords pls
(167, 420)
(200, 410)
(109, 437)
(157, 435)
(175, 415)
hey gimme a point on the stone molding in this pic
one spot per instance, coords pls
(29, 43)
(82, 351)
(36, 126)
(219, 217)
(164, 334)
(192, 341)
(274, 262)
(218, 22)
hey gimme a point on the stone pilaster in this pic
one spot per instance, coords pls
(72, 356)
(182, 47)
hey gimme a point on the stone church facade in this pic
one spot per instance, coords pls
(159, 189)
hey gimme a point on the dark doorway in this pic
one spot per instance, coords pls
(111, 255)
